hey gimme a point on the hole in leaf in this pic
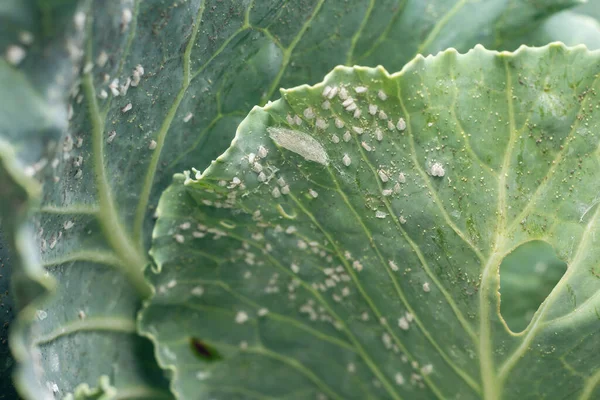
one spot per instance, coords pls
(203, 350)
(527, 276)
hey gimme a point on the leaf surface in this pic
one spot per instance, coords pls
(162, 87)
(335, 254)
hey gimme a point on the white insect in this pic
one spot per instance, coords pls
(126, 108)
(188, 117)
(358, 130)
(347, 136)
(313, 193)
(372, 109)
(111, 136)
(241, 317)
(383, 176)
(401, 125)
(309, 113)
(360, 89)
(152, 145)
(393, 265)
(15, 54)
(403, 323)
(347, 160)
(381, 94)
(339, 123)
(380, 214)
(426, 287)
(366, 146)
(262, 151)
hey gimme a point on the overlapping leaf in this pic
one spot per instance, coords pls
(347, 245)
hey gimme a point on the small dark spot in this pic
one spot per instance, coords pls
(203, 350)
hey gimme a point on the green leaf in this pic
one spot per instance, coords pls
(333, 255)
(568, 27)
(203, 65)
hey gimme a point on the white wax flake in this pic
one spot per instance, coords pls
(290, 229)
(343, 93)
(393, 265)
(427, 369)
(426, 287)
(241, 317)
(430, 124)
(401, 125)
(372, 109)
(198, 291)
(358, 130)
(299, 143)
(326, 91)
(380, 214)
(78, 174)
(41, 314)
(366, 146)
(383, 176)
(126, 108)
(124, 87)
(313, 193)
(339, 123)
(79, 20)
(308, 113)
(185, 226)
(357, 265)
(81, 314)
(364, 316)
(26, 38)
(179, 238)
(262, 151)
(188, 117)
(403, 323)
(295, 268)
(360, 89)
(102, 59)
(276, 193)
(335, 139)
(333, 92)
(382, 115)
(111, 136)
(402, 220)
(326, 105)
(68, 225)
(347, 136)
(321, 124)
(347, 160)
(15, 54)
(262, 312)
(399, 379)
(103, 94)
(378, 134)
(381, 94)
(401, 177)
(152, 144)
(437, 170)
